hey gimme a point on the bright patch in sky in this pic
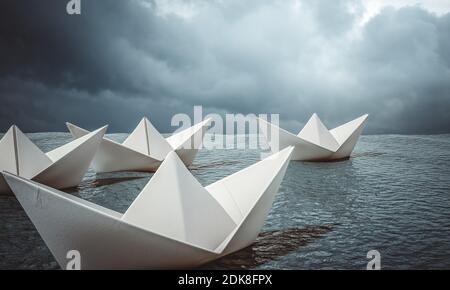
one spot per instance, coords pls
(373, 7)
(188, 8)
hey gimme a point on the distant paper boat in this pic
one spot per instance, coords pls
(62, 167)
(315, 142)
(174, 222)
(145, 148)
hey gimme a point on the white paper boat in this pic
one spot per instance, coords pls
(145, 148)
(174, 222)
(62, 167)
(315, 142)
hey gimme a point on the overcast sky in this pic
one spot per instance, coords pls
(121, 60)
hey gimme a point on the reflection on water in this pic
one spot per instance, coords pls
(94, 183)
(392, 195)
(213, 165)
(367, 154)
(269, 246)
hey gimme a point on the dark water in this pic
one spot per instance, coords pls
(392, 196)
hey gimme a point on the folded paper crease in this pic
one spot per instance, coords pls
(315, 142)
(145, 148)
(62, 167)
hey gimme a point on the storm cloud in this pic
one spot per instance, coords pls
(121, 60)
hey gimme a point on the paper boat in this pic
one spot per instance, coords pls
(145, 148)
(62, 167)
(315, 142)
(174, 222)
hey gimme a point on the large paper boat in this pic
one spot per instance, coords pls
(315, 142)
(62, 167)
(145, 148)
(174, 222)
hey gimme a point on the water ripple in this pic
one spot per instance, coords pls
(393, 195)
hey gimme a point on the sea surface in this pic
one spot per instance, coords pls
(392, 196)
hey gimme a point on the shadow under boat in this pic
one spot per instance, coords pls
(95, 183)
(326, 160)
(348, 158)
(212, 165)
(104, 181)
(269, 246)
(100, 181)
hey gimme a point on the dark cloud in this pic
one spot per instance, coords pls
(120, 60)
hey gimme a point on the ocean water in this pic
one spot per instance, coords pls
(393, 196)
